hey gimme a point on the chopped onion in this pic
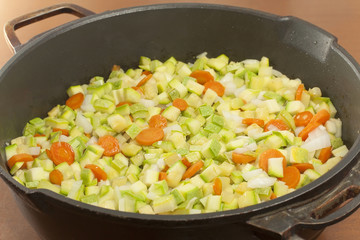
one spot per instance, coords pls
(253, 174)
(261, 182)
(298, 130)
(174, 127)
(147, 103)
(161, 163)
(239, 90)
(257, 102)
(228, 82)
(232, 117)
(239, 129)
(201, 55)
(84, 123)
(261, 95)
(247, 148)
(63, 138)
(276, 73)
(318, 138)
(272, 128)
(86, 106)
(34, 150)
(92, 140)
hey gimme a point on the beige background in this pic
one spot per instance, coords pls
(341, 18)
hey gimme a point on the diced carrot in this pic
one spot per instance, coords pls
(56, 177)
(186, 162)
(202, 76)
(63, 131)
(325, 154)
(110, 145)
(180, 104)
(123, 103)
(303, 166)
(249, 121)
(273, 196)
(242, 158)
(299, 92)
(115, 68)
(321, 116)
(165, 168)
(75, 101)
(162, 176)
(216, 87)
(21, 157)
(144, 80)
(138, 89)
(97, 171)
(39, 135)
(61, 152)
(158, 121)
(191, 171)
(146, 72)
(270, 153)
(48, 153)
(278, 123)
(303, 118)
(87, 135)
(149, 136)
(217, 186)
(291, 176)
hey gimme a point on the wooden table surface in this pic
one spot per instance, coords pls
(341, 18)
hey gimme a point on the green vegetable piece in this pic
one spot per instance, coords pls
(211, 149)
(206, 110)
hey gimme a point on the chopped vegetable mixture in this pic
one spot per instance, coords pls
(176, 138)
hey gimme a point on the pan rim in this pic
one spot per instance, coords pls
(349, 160)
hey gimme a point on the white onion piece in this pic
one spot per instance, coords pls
(247, 148)
(34, 150)
(276, 73)
(154, 167)
(261, 182)
(298, 130)
(92, 140)
(318, 138)
(230, 88)
(152, 195)
(229, 77)
(261, 95)
(257, 102)
(239, 129)
(147, 103)
(84, 123)
(253, 174)
(161, 163)
(239, 90)
(63, 138)
(228, 82)
(232, 117)
(273, 128)
(175, 127)
(86, 106)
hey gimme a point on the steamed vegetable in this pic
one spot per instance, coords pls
(181, 138)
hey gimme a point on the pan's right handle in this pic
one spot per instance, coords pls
(316, 213)
(19, 22)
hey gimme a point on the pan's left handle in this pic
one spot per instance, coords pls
(19, 22)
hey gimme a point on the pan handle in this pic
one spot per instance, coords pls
(288, 222)
(27, 19)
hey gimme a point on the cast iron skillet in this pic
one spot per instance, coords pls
(42, 69)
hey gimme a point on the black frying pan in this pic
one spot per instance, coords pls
(41, 70)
